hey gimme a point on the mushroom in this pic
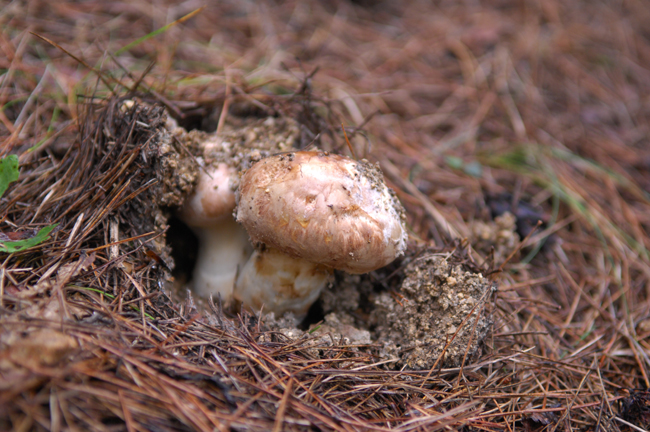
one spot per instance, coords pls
(310, 212)
(223, 244)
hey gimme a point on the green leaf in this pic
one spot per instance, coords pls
(20, 245)
(8, 172)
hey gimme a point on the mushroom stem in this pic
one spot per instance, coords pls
(279, 283)
(223, 248)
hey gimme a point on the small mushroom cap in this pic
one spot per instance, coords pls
(324, 208)
(213, 200)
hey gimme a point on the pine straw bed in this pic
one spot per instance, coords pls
(541, 111)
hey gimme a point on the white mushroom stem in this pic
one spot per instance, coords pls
(223, 244)
(275, 282)
(223, 248)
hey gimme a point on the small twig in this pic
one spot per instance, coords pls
(354, 156)
(225, 107)
(618, 419)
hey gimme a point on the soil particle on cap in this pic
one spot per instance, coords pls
(437, 306)
(375, 177)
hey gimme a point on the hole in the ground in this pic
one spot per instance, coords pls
(314, 315)
(206, 117)
(192, 121)
(246, 109)
(185, 245)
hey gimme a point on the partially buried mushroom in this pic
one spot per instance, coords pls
(223, 244)
(308, 213)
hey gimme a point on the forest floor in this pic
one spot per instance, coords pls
(475, 111)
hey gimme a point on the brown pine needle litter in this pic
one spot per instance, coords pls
(486, 116)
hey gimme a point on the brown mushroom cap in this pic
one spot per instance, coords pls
(324, 208)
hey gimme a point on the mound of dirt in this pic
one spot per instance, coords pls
(439, 312)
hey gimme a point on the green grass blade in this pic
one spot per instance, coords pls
(159, 31)
(8, 172)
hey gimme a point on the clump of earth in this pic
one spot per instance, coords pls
(241, 142)
(437, 318)
(500, 234)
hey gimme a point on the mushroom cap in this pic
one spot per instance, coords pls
(213, 199)
(324, 208)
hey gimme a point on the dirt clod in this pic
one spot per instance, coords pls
(435, 314)
(242, 141)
